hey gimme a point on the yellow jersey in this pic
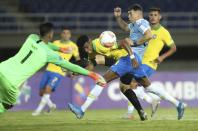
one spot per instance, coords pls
(72, 51)
(161, 37)
(112, 52)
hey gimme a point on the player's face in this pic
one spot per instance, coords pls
(133, 15)
(66, 35)
(88, 47)
(154, 17)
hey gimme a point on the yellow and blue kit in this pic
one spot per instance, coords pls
(53, 74)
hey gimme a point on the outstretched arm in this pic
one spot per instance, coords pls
(56, 59)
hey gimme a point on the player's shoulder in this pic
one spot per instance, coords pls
(164, 30)
(56, 42)
(142, 22)
(33, 36)
(72, 43)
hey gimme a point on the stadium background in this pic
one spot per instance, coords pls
(178, 74)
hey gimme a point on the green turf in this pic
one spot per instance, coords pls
(98, 120)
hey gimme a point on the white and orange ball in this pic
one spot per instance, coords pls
(107, 39)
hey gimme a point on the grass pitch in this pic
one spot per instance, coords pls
(99, 120)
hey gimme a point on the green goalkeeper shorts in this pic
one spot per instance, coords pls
(8, 93)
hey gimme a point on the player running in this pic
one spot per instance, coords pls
(32, 56)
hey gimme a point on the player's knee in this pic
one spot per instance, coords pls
(41, 92)
(146, 84)
(144, 81)
(124, 87)
(133, 84)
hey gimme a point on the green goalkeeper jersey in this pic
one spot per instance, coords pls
(32, 56)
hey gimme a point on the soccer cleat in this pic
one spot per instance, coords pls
(35, 113)
(154, 107)
(180, 110)
(76, 110)
(128, 116)
(143, 115)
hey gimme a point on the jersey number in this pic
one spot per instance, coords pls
(26, 57)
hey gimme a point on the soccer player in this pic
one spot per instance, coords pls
(32, 56)
(128, 64)
(151, 59)
(54, 74)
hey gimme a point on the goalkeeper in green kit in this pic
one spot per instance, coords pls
(33, 55)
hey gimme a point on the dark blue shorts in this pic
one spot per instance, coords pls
(50, 79)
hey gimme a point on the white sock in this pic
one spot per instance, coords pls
(147, 98)
(130, 108)
(95, 92)
(50, 103)
(162, 93)
(154, 96)
(42, 103)
(140, 93)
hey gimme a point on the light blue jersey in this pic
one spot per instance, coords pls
(137, 31)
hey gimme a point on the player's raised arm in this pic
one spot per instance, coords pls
(123, 25)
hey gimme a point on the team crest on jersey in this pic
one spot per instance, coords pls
(154, 36)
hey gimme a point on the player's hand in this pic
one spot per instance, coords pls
(100, 59)
(117, 12)
(98, 79)
(159, 60)
(134, 63)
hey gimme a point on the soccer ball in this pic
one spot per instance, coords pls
(107, 39)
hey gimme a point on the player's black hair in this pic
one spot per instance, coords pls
(80, 43)
(45, 28)
(65, 28)
(155, 9)
(135, 7)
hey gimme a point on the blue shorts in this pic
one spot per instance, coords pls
(50, 79)
(124, 66)
(148, 70)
